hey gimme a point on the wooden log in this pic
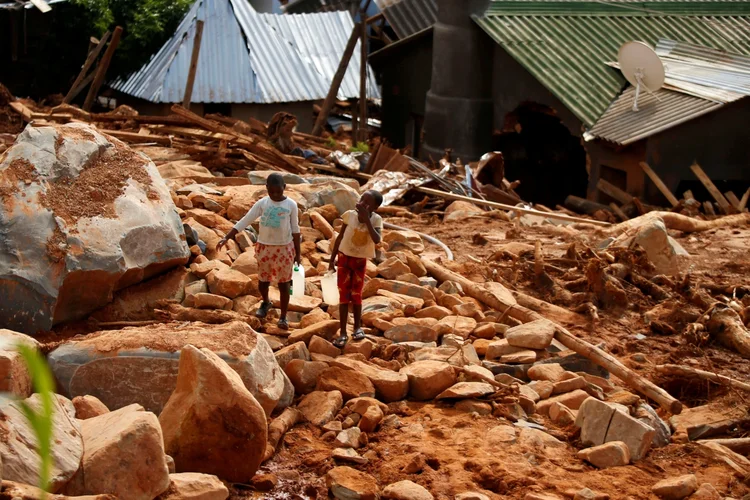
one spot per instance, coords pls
(138, 138)
(193, 64)
(733, 200)
(336, 83)
(278, 427)
(737, 445)
(711, 187)
(679, 222)
(659, 183)
(708, 207)
(613, 191)
(76, 88)
(687, 372)
(363, 127)
(618, 211)
(101, 69)
(584, 206)
(727, 326)
(743, 201)
(596, 355)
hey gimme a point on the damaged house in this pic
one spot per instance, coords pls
(251, 64)
(534, 80)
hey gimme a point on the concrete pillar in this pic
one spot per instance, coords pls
(458, 109)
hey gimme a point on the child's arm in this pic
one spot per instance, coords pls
(374, 231)
(255, 212)
(294, 224)
(335, 251)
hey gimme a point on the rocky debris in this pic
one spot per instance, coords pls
(325, 330)
(411, 333)
(611, 454)
(662, 250)
(304, 374)
(66, 186)
(212, 423)
(14, 375)
(364, 347)
(194, 486)
(208, 301)
(501, 434)
(427, 379)
(676, 488)
(389, 386)
(348, 455)
(706, 492)
(18, 449)
(533, 335)
(474, 406)
(298, 350)
(601, 423)
(346, 483)
(321, 346)
(569, 385)
(588, 494)
(12, 489)
(467, 390)
(350, 384)
(393, 268)
(371, 418)
(540, 496)
(139, 365)
(458, 325)
(572, 400)
(349, 438)
(702, 421)
(551, 372)
(406, 490)
(321, 407)
(434, 312)
(648, 416)
(228, 283)
(123, 456)
(88, 407)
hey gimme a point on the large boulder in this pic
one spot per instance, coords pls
(139, 365)
(14, 374)
(663, 251)
(82, 216)
(212, 423)
(18, 443)
(124, 456)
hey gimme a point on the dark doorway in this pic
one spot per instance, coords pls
(541, 152)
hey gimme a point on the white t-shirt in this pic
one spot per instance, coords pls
(278, 220)
(357, 241)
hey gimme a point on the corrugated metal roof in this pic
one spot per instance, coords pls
(24, 5)
(321, 39)
(566, 44)
(242, 60)
(657, 112)
(407, 17)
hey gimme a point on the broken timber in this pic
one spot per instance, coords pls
(193, 64)
(101, 69)
(711, 187)
(596, 355)
(687, 372)
(659, 183)
(77, 86)
(613, 191)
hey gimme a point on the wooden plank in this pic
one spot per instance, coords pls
(743, 201)
(363, 127)
(22, 110)
(613, 191)
(193, 65)
(101, 69)
(135, 137)
(733, 200)
(76, 88)
(659, 183)
(708, 207)
(617, 210)
(711, 187)
(642, 210)
(336, 83)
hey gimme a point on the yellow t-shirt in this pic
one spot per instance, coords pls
(357, 241)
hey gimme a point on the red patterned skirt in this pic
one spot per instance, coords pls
(275, 262)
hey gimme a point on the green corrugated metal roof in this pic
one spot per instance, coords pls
(566, 44)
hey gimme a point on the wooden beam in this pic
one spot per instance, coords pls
(708, 207)
(613, 191)
(711, 187)
(22, 110)
(659, 183)
(375, 18)
(617, 210)
(76, 88)
(136, 137)
(74, 91)
(193, 65)
(363, 128)
(336, 83)
(101, 69)
(733, 200)
(743, 201)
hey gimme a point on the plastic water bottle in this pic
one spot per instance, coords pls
(298, 281)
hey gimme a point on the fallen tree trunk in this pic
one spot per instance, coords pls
(280, 426)
(687, 372)
(679, 222)
(521, 313)
(737, 445)
(727, 326)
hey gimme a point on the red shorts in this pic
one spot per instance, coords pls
(351, 278)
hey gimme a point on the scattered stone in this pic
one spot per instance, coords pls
(520, 357)
(593, 418)
(427, 379)
(535, 438)
(515, 371)
(298, 350)
(346, 483)
(361, 405)
(363, 347)
(703, 421)
(457, 325)
(611, 454)
(485, 331)
(648, 416)
(320, 407)
(349, 438)
(123, 456)
(194, 486)
(706, 492)
(569, 385)
(476, 374)
(389, 386)
(451, 340)
(469, 310)
(467, 390)
(14, 374)
(634, 433)
(501, 435)
(267, 482)
(551, 372)
(481, 346)
(540, 496)
(561, 414)
(471, 495)
(406, 490)
(676, 488)
(474, 406)
(325, 330)
(371, 419)
(411, 333)
(333, 426)
(573, 400)
(227, 282)
(212, 423)
(392, 268)
(451, 288)
(88, 407)
(533, 335)
(350, 384)
(210, 301)
(587, 494)
(434, 312)
(19, 491)
(18, 449)
(322, 346)
(304, 374)
(500, 348)
(348, 455)
(662, 250)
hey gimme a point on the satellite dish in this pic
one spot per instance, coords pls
(641, 67)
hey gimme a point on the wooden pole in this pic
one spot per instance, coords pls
(613, 191)
(336, 83)
(363, 85)
(101, 70)
(688, 372)
(711, 187)
(90, 59)
(743, 201)
(659, 183)
(193, 65)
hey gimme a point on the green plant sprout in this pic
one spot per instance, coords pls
(41, 422)
(360, 147)
(331, 143)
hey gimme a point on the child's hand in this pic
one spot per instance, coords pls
(297, 258)
(222, 242)
(332, 264)
(362, 212)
